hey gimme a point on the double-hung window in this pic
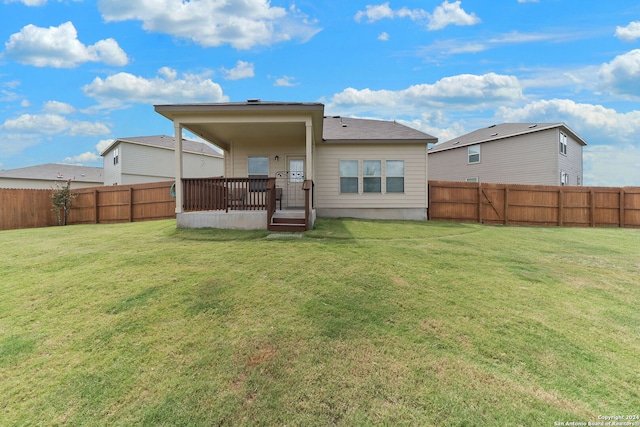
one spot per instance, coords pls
(258, 167)
(394, 170)
(372, 176)
(563, 143)
(348, 176)
(116, 155)
(474, 154)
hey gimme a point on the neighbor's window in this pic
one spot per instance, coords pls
(474, 154)
(348, 176)
(116, 155)
(372, 176)
(563, 143)
(394, 171)
(564, 178)
(579, 180)
(258, 167)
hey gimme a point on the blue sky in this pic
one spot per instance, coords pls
(74, 75)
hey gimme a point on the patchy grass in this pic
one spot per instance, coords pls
(357, 323)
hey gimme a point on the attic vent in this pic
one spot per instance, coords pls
(253, 100)
(456, 143)
(494, 134)
(492, 126)
(532, 126)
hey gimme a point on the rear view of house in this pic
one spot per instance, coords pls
(287, 162)
(513, 153)
(144, 159)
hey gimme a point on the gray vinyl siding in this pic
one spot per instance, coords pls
(572, 162)
(236, 162)
(327, 174)
(140, 164)
(526, 159)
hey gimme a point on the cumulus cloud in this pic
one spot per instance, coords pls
(629, 33)
(57, 107)
(465, 91)
(59, 47)
(103, 144)
(242, 70)
(87, 157)
(117, 90)
(384, 36)
(285, 81)
(622, 75)
(442, 16)
(241, 24)
(611, 166)
(32, 2)
(51, 124)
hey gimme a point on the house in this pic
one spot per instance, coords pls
(51, 175)
(286, 163)
(513, 153)
(144, 159)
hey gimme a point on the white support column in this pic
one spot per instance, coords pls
(309, 146)
(178, 156)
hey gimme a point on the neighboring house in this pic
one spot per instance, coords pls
(340, 167)
(50, 176)
(512, 153)
(144, 159)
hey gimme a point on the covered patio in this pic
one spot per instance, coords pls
(268, 177)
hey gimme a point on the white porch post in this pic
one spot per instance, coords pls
(178, 156)
(309, 146)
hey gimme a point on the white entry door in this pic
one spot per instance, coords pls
(295, 194)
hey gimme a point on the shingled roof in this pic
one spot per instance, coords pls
(501, 131)
(338, 129)
(167, 142)
(56, 172)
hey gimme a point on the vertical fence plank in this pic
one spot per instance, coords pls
(622, 213)
(560, 206)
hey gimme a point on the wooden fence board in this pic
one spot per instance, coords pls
(20, 208)
(534, 204)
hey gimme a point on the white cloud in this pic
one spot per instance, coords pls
(51, 124)
(621, 76)
(451, 14)
(32, 2)
(103, 144)
(629, 33)
(59, 47)
(611, 166)
(527, 1)
(241, 24)
(442, 16)
(242, 70)
(465, 91)
(87, 157)
(56, 107)
(119, 89)
(285, 81)
(384, 36)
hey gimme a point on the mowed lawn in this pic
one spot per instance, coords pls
(355, 323)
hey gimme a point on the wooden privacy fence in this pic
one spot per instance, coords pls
(534, 204)
(20, 208)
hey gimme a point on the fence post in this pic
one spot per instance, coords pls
(95, 204)
(506, 205)
(130, 204)
(592, 208)
(622, 207)
(560, 206)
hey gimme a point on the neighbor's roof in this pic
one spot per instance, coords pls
(502, 131)
(167, 142)
(56, 172)
(343, 129)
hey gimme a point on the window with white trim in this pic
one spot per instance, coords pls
(563, 143)
(348, 176)
(564, 178)
(258, 167)
(394, 171)
(474, 154)
(372, 176)
(116, 155)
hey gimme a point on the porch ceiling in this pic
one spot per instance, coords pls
(223, 134)
(223, 123)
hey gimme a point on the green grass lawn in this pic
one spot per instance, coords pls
(356, 323)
